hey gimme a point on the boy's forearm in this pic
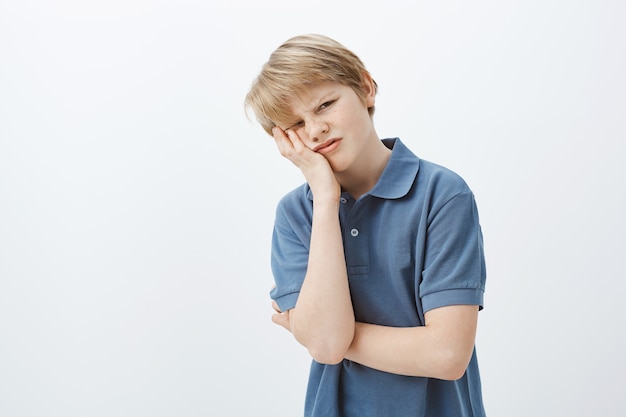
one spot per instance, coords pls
(323, 319)
(441, 349)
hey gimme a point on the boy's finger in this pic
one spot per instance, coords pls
(296, 141)
(278, 133)
(282, 141)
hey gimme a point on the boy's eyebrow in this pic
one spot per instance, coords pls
(285, 124)
(324, 97)
(292, 124)
(318, 101)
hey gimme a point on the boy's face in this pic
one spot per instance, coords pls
(331, 119)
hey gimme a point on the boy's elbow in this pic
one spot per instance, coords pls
(452, 373)
(326, 350)
(326, 359)
(327, 356)
(453, 366)
(325, 347)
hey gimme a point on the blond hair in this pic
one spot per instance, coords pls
(296, 65)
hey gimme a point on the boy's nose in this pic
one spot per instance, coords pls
(316, 130)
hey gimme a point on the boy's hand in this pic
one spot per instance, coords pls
(281, 317)
(313, 165)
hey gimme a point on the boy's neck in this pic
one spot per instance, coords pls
(362, 177)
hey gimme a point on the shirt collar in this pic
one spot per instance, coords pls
(399, 174)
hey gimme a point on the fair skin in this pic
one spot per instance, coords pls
(332, 140)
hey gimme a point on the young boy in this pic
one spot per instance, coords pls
(378, 258)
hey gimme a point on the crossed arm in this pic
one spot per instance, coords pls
(440, 349)
(323, 318)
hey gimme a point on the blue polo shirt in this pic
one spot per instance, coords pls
(412, 244)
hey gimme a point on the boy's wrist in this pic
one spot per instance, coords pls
(323, 202)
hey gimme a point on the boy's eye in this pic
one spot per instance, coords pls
(326, 104)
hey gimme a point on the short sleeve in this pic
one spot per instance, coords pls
(289, 258)
(454, 265)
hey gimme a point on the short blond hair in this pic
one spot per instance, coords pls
(294, 66)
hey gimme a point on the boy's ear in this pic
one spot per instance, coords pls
(369, 88)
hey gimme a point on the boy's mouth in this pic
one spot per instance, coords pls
(328, 146)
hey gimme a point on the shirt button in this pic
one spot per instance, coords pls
(354, 232)
(344, 200)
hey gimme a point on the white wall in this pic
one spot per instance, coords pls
(136, 199)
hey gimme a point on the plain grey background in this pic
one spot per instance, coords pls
(137, 200)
